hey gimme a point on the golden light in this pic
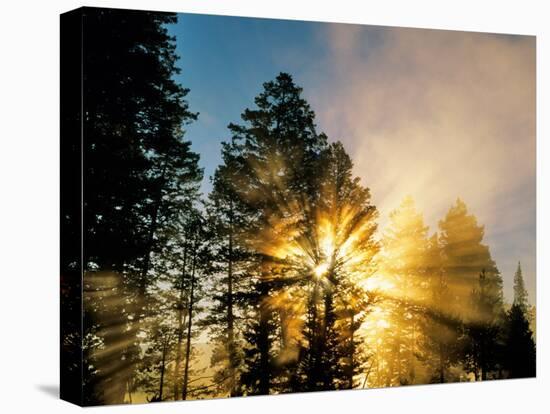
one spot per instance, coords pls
(379, 283)
(321, 248)
(320, 270)
(382, 323)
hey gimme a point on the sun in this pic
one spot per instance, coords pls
(320, 270)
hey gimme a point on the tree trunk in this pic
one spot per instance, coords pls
(230, 317)
(412, 368)
(328, 324)
(181, 324)
(189, 325)
(352, 350)
(441, 364)
(162, 368)
(264, 345)
(129, 388)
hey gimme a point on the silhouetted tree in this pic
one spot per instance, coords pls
(483, 329)
(268, 164)
(229, 219)
(134, 112)
(475, 288)
(520, 293)
(520, 348)
(184, 264)
(139, 172)
(337, 240)
(520, 351)
(152, 378)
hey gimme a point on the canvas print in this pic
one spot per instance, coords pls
(258, 206)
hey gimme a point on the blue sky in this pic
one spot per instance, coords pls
(225, 60)
(432, 114)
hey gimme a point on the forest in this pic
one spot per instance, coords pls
(278, 280)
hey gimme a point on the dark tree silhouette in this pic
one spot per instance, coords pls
(134, 112)
(265, 167)
(475, 288)
(229, 219)
(520, 349)
(483, 330)
(520, 293)
(139, 174)
(331, 355)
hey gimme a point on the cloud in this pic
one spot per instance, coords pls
(437, 115)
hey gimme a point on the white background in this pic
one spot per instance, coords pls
(29, 193)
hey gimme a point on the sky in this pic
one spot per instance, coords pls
(429, 113)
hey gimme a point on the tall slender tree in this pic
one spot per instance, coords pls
(182, 265)
(442, 330)
(475, 286)
(138, 171)
(483, 329)
(152, 376)
(404, 263)
(229, 218)
(520, 293)
(268, 169)
(520, 348)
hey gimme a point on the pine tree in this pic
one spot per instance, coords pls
(166, 367)
(339, 240)
(268, 165)
(184, 266)
(520, 352)
(259, 371)
(352, 353)
(404, 263)
(134, 115)
(520, 293)
(442, 328)
(139, 171)
(465, 256)
(152, 377)
(520, 349)
(229, 221)
(483, 330)
(200, 258)
(475, 288)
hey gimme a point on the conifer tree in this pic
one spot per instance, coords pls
(404, 263)
(152, 377)
(139, 172)
(483, 330)
(520, 348)
(464, 257)
(475, 288)
(442, 328)
(520, 293)
(268, 164)
(341, 240)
